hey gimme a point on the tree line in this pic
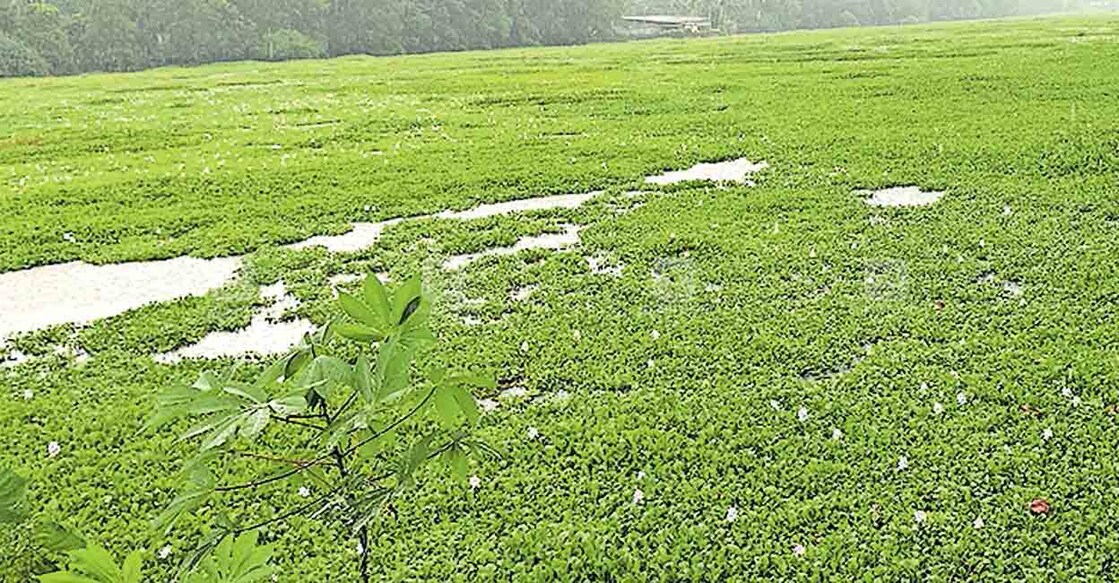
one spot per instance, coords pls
(59, 37)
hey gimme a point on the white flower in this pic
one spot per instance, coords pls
(938, 408)
(304, 492)
(1047, 434)
(773, 403)
(1075, 401)
(53, 449)
(1067, 392)
(836, 434)
(961, 398)
(732, 513)
(368, 208)
(919, 516)
(924, 387)
(798, 550)
(649, 363)
(903, 463)
(1007, 211)
(655, 334)
(524, 346)
(68, 237)
(164, 552)
(577, 335)
(802, 414)
(28, 395)
(638, 496)
(640, 474)
(475, 481)
(533, 433)
(978, 522)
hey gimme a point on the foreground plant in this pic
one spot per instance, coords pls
(349, 430)
(238, 560)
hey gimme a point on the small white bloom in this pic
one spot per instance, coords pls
(524, 346)
(533, 433)
(938, 408)
(919, 516)
(798, 550)
(638, 496)
(1007, 211)
(487, 405)
(68, 237)
(732, 513)
(304, 492)
(53, 449)
(1047, 434)
(275, 577)
(164, 552)
(773, 403)
(655, 334)
(28, 395)
(368, 208)
(924, 387)
(802, 414)
(1075, 400)
(978, 522)
(836, 434)
(1067, 392)
(961, 398)
(903, 463)
(475, 481)
(649, 363)
(577, 335)
(640, 474)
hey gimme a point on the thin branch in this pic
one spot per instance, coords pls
(293, 421)
(328, 456)
(342, 409)
(293, 512)
(271, 458)
(393, 425)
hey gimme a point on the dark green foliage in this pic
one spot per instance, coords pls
(287, 44)
(13, 497)
(19, 60)
(66, 36)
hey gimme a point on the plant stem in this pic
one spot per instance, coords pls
(271, 458)
(293, 512)
(293, 421)
(325, 457)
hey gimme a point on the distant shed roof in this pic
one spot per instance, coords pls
(667, 20)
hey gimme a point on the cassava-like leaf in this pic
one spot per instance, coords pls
(94, 564)
(13, 497)
(238, 560)
(357, 310)
(358, 333)
(57, 537)
(377, 298)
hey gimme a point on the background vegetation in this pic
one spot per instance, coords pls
(39, 37)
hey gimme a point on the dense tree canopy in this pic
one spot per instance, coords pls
(69, 36)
